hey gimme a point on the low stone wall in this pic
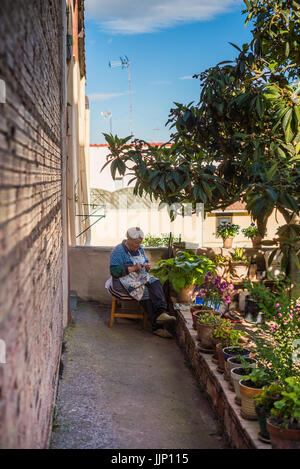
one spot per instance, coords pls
(89, 266)
(241, 433)
(89, 270)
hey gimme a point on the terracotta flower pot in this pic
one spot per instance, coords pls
(215, 344)
(220, 355)
(248, 403)
(185, 295)
(204, 334)
(282, 438)
(256, 242)
(195, 310)
(227, 243)
(240, 269)
(197, 313)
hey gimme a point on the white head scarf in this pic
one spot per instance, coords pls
(134, 233)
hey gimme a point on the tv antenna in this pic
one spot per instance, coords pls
(125, 63)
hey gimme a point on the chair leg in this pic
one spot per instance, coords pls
(145, 320)
(144, 316)
(113, 310)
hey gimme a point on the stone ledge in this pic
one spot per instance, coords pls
(242, 434)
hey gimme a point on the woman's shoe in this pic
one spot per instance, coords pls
(164, 317)
(163, 333)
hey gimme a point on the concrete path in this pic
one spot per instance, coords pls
(125, 388)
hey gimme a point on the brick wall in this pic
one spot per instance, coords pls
(31, 224)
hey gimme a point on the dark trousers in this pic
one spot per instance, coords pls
(156, 304)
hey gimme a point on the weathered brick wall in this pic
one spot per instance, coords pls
(31, 224)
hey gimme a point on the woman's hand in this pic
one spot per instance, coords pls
(147, 267)
(134, 268)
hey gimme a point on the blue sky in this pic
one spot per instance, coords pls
(166, 41)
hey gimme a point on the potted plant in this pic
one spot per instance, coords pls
(222, 263)
(251, 385)
(240, 263)
(195, 309)
(224, 335)
(220, 337)
(205, 326)
(284, 422)
(215, 291)
(236, 375)
(232, 351)
(183, 272)
(264, 402)
(227, 231)
(238, 360)
(251, 232)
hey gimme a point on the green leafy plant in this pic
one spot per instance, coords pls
(251, 231)
(157, 241)
(214, 289)
(184, 270)
(227, 230)
(258, 377)
(220, 259)
(275, 352)
(286, 410)
(226, 334)
(210, 319)
(239, 256)
(241, 140)
(269, 396)
(268, 298)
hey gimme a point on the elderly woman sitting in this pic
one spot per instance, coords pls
(129, 268)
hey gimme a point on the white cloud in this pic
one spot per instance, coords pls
(146, 16)
(105, 96)
(186, 77)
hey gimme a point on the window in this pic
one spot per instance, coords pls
(223, 218)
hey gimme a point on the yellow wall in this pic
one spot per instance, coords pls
(241, 219)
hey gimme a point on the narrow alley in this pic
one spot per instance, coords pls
(126, 388)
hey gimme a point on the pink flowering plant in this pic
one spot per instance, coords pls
(215, 290)
(278, 341)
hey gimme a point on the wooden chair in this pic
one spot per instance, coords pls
(114, 314)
